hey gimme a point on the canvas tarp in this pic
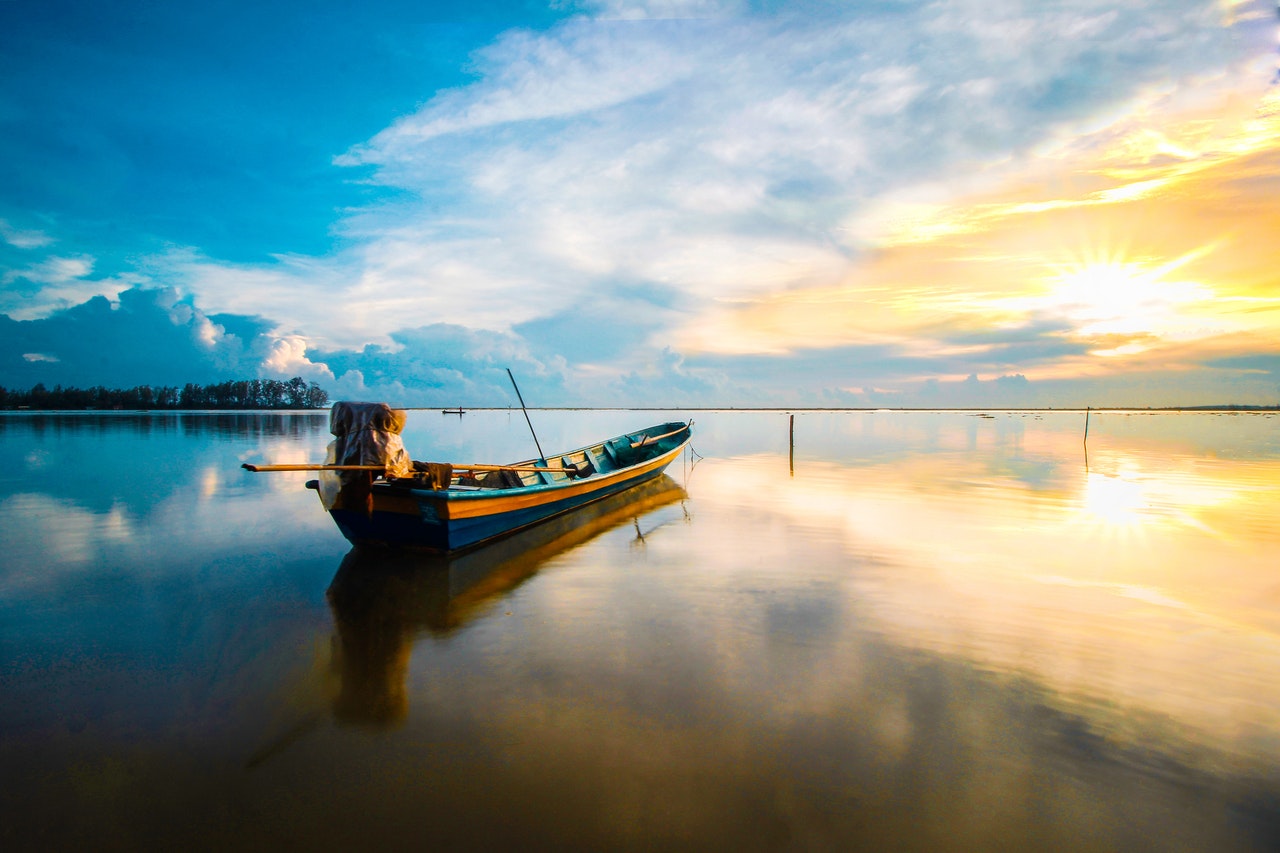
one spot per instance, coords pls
(364, 434)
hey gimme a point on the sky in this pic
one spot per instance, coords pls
(659, 203)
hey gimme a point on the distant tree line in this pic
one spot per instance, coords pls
(294, 393)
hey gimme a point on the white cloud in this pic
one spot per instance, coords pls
(23, 238)
(528, 77)
(678, 155)
(694, 153)
(637, 10)
(54, 270)
(52, 284)
(288, 357)
(715, 158)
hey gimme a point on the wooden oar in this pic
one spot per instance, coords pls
(649, 439)
(456, 467)
(460, 467)
(319, 467)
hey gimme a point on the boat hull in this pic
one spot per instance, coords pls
(450, 520)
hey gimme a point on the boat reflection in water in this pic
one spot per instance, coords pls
(382, 599)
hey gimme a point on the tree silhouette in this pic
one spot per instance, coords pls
(296, 393)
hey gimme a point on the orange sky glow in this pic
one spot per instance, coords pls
(1149, 240)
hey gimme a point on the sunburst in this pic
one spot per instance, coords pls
(1111, 296)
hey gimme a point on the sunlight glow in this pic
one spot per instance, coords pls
(1124, 297)
(1113, 499)
(1138, 245)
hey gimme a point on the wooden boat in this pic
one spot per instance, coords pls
(377, 496)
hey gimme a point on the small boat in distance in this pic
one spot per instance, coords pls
(457, 411)
(378, 496)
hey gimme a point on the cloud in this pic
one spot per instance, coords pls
(23, 238)
(697, 201)
(1171, 275)
(154, 337)
(668, 378)
(53, 282)
(729, 161)
(147, 337)
(636, 10)
(526, 77)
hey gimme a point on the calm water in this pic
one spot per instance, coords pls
(920, 631)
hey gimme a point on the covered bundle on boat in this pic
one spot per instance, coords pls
(364, 434)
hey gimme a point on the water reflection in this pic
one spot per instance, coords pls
(381, 600)
(942, 633)
(192, 424)
(1140, 588)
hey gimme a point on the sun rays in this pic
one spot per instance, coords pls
(1111, 297)
(1139, 246)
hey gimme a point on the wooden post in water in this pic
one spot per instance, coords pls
(792, 445)
(1086, 439)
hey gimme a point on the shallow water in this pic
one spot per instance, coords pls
(913, 631)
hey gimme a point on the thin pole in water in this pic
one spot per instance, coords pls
(541, 455)
(793, 445)
(1086, 439)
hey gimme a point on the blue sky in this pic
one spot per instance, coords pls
(679, 203)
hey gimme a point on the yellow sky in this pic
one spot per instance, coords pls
(1144, 242)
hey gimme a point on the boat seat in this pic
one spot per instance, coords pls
(589, 466)
(548, 478)
(561, 476)
(610, 455)
(621, 451)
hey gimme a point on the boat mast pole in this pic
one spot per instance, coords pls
(526, 416)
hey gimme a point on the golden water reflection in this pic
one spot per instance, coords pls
(1144, 584)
